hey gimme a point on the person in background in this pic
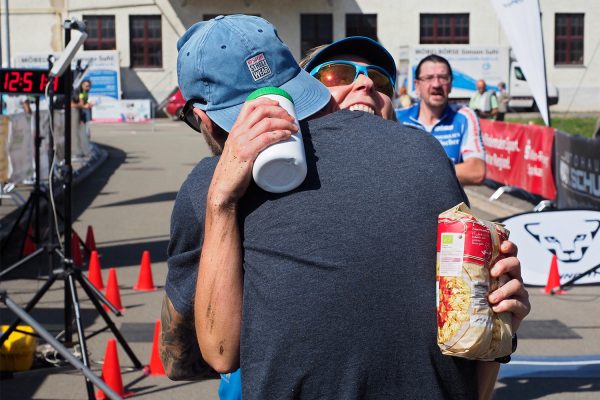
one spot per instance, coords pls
(455, 127)
(484, 101)
(597, 130)
(81, 100)
(81, 118)
(403, 100)
(503, 99)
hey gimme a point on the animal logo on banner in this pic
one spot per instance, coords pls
(571, 235)
(568, 245)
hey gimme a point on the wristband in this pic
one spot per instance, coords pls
(506, 359)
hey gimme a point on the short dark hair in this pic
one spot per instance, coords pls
(434, 58)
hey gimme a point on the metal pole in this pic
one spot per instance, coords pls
(7, 35)
(545, 74)
(67, 261)
(74, 361)
(36, 185)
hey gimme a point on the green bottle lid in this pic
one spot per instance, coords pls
(269, 90)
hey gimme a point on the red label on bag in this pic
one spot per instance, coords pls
(477, 241)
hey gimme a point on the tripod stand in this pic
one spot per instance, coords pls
(68, 273)
(57, 345)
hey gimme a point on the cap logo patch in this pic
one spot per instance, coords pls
(258, 67)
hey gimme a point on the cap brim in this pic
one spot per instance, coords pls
(362, 46)
(310, 96)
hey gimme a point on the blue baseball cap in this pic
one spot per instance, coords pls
(222, 61)
(361, 46)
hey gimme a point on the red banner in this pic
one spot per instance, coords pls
(520, 155)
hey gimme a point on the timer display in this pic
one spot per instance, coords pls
(26, 81)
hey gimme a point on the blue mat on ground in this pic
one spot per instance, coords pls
(551, 367)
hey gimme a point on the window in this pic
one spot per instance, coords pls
(361, 25)
(568, 39)
(145, 41)
(315, 30)
(444, 29)
(519, 74)
(101, 32)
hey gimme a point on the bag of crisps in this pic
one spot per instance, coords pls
(467, 247)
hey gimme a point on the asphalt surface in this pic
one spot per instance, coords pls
(127, 198)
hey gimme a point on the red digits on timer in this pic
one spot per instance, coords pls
(44, 82)
(14, 79)
(27, 82)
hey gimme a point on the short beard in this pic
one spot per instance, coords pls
(215, 145)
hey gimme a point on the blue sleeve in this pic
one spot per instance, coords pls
(230, 387)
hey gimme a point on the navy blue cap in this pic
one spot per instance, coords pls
(361, 46)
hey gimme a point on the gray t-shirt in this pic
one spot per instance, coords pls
(339, 275)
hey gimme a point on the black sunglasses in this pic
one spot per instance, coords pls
(188, 116)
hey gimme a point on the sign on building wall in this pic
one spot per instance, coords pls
(104, 73)
(103, 69)
(469, 64)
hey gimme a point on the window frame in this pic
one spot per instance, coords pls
(100, 40)
(437, 19)
(317, 20)
(569, 39)
(362, 28)
(146, 41)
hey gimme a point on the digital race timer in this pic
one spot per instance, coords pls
(25, 81)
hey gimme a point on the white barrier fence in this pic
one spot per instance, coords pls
(17, 144)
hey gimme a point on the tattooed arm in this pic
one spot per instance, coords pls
(178, 347)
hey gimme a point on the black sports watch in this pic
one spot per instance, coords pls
(506, 359)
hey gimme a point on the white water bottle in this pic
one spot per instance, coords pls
(280, 167)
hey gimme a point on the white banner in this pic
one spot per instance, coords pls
(122, 111)
(572, 235)
(20, 148)
(4, 160)
(520, 20)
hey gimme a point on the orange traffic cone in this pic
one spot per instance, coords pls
(156, 367)
(76, 255)
(94, 273)
(29, 246)
(111, 372)
(112, 291)
(145, 281)
(553, 278)
(90, 242)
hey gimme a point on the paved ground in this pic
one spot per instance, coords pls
(128, 200)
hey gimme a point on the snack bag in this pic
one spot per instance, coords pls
(467, 248)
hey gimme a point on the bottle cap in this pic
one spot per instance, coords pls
(269, 90)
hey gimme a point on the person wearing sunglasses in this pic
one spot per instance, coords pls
(306, 290)
(359, 73)
(457, 128)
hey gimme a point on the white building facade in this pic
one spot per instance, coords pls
(145, 33)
